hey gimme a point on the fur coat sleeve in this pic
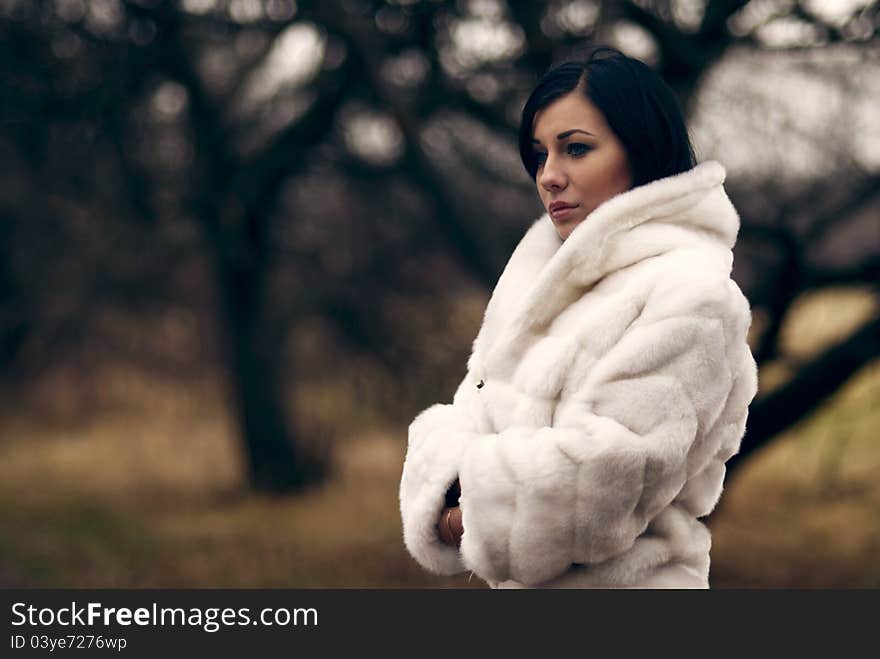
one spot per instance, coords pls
(646, 405)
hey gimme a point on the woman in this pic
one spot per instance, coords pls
(611, 377)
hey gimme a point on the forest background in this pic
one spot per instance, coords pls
(244, 242)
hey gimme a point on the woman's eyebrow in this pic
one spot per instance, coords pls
(565, 134)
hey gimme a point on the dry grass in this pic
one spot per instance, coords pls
(153, 495)
(157, 498)
(806, 511)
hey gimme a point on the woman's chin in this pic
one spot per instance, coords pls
(566, 226)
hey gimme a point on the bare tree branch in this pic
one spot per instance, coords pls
(812, 385)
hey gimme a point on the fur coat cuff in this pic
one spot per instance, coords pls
(437, 438)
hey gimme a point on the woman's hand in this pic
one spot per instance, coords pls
(449, 526)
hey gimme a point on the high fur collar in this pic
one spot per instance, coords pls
(545, 274)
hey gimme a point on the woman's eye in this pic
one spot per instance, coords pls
(540, 158)
(577, 149)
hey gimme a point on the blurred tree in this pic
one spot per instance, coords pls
(337, 159)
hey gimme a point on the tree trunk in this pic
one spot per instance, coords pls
(254, 350)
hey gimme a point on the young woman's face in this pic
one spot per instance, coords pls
(581, 162)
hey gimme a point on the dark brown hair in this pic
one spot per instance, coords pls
(637, 103)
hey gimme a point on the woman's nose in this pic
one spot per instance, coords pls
(552, 177)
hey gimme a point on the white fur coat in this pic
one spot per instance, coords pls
(608, 385)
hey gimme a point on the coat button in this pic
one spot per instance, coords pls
(480, 386)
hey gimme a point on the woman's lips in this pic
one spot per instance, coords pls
(562, 211)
